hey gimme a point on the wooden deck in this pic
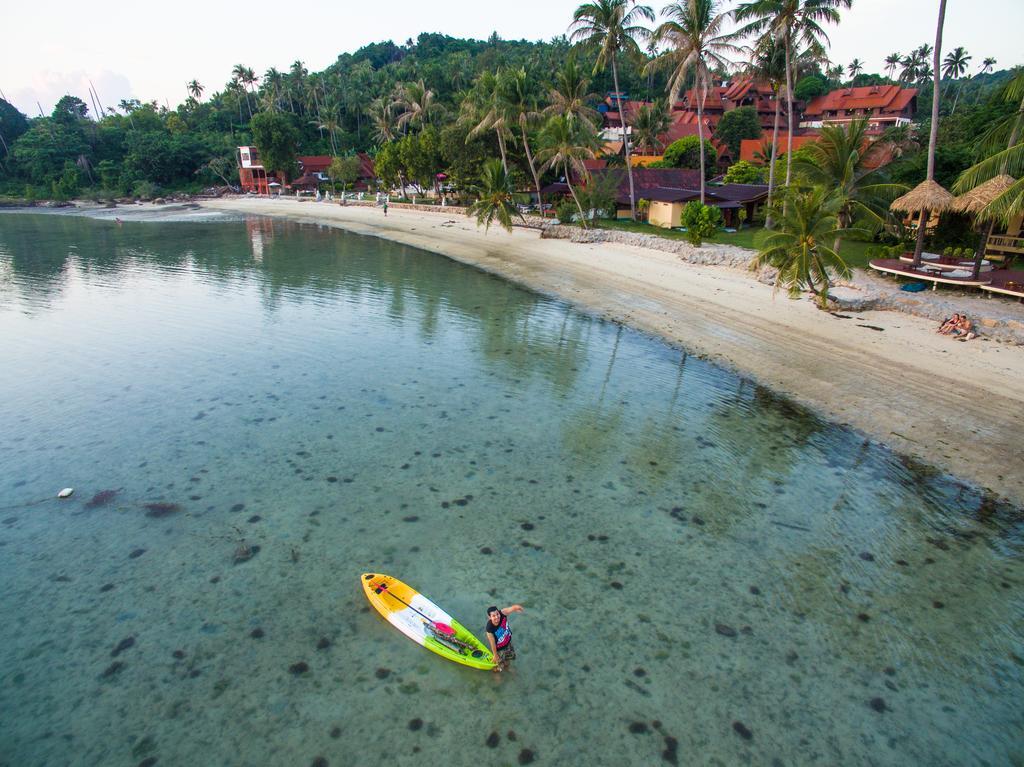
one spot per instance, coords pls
(931, 274)
(1007, 282)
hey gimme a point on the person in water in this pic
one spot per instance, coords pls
(500, 637)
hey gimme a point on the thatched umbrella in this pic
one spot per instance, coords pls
(923, 198)
(975, 202)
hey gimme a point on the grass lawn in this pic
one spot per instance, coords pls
(852, 251)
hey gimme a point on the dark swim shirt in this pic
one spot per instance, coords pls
(502, 635)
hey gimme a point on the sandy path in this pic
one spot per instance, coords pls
(958, 406)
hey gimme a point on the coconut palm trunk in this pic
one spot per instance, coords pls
(934, 132)
(789, 109)
(771, 168)
(568, 183)
(700, 136)
(501, 148)
(533, 169)
(625, 142)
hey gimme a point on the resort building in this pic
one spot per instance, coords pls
(883, 105)
(729, 96)
(252, 176)
(317, 165)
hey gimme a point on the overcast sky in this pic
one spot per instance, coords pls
(150, 50)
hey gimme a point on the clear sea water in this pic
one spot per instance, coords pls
(711, 575)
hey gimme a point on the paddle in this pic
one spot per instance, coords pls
(444, 628)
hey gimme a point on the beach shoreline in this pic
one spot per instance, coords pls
(887, 374)
(947, 404)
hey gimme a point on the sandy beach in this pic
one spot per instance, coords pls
(953, 405)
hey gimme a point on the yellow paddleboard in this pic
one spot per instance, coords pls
(424, 622)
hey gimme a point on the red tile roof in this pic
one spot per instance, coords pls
(887, 98)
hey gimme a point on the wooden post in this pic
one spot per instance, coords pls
(919, 245)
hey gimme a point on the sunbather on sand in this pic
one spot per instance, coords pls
(964, 330)
(949, 325)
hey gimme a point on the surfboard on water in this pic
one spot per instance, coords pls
(424, 622)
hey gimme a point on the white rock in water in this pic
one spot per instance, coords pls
(66, 492)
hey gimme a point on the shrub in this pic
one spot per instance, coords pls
(684, 154)
(565, 210)
(744, 172)
(145, 190)
(701, 221)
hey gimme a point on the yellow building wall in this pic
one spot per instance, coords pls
(665, 214)
(643, 160)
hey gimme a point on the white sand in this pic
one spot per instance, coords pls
(958, 406)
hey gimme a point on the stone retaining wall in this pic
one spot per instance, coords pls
(710, 254)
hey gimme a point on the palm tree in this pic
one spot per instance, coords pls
(274, 81)
(484, 110)
(693, 32)
(381, 114)
(891, 62)
(418, 104)
(1010, 160)
(571, 95)
(495, 199)
(564, 145)
(807, 220)
(518, 101)
(650, 122)
(768, 64)
(195, 90)
(296, 81)
(986, 65)
(834, 73)
(612, 27)
(128, 106)
(240, 73)
(792, 21)
(329, 122)
(954, 66)
(855, 68)
(838, 161)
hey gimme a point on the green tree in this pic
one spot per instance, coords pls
(685, 153)
(891, 62)
(612, 27)
(40, 153)
(809, 87)
(839, 160)
(277, 139)
(70, 109)
(736, 125)
(12, 125)
(744, 172)
(564, 145)
(697, 46)
(495, 199)
(805, 222)
(570, 96)
(650, 122)
(954, 67)
(701, 221)
(855, 68)
(344, 170)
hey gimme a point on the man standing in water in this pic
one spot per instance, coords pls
(500, 637)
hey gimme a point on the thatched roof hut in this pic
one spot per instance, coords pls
(981, 196)
(926, 196)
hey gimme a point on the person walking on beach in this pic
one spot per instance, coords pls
(500, 636)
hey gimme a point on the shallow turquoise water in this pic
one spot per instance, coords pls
(710, 575)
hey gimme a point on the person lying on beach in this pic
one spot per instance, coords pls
(500, 637)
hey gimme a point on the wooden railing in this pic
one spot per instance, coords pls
(1007, 243)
